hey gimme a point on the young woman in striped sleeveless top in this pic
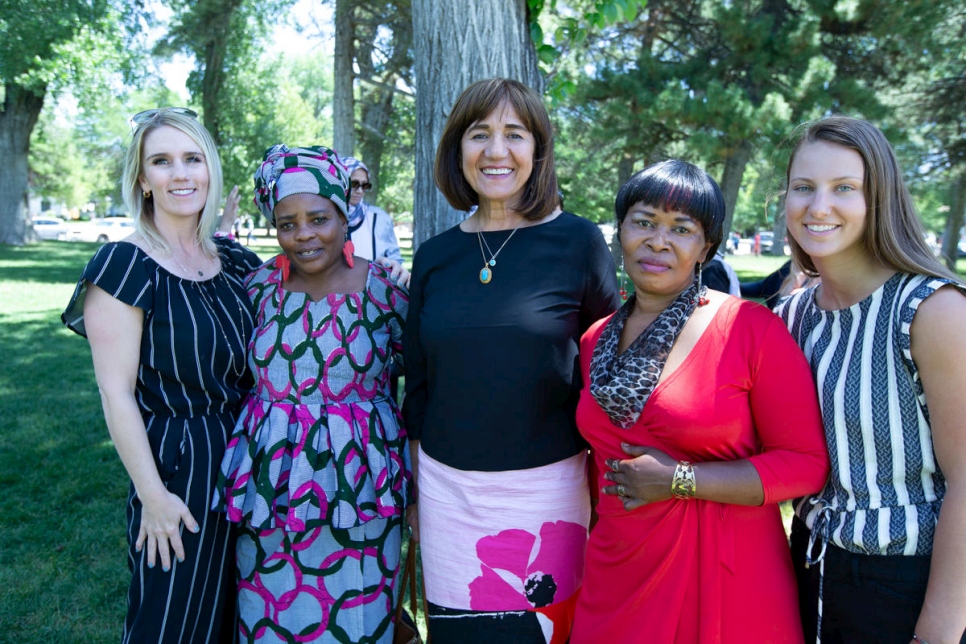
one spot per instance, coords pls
(881, 552)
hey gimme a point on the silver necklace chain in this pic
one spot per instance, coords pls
(486, 273)
(183, 267)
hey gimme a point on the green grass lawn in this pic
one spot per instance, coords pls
(63, 571)
(62, 567)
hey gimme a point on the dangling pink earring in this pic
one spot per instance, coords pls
(284, 265)
(702, 300)
(623, 290)
(348, 249)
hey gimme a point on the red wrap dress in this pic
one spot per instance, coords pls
(688, 571)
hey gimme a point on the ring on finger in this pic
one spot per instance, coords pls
(621, 490)
(615, 465)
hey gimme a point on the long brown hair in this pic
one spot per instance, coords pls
(894, 234)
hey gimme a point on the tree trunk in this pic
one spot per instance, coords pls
(218, 20)
(780, 231)
(21, 109)
(343, 101)
(211, 83)
(625, 168)
(375, 119)
(734, 170)
(459, 42)
(954, 219)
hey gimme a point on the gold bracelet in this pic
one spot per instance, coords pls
(682, 485)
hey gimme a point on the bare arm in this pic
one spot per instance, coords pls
(230, 213)
(114, 331)
(939, 350)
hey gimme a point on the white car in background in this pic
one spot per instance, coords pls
(102, 230)
(49, 227)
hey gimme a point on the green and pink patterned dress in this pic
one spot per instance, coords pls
(316, 472)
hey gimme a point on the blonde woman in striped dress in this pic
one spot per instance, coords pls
(168, 320)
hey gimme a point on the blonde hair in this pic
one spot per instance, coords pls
(142, 209)
(894, 234)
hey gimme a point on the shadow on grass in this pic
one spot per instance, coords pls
(48, 261)
(62, 565)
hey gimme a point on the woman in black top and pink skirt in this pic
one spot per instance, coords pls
(498, 304)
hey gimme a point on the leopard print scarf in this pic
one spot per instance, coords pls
(621, 384)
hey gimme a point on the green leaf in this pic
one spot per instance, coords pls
(631, 9)
(611, 13)
(536, 33)
(547, 54)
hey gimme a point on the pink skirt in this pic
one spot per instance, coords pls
(503, 550)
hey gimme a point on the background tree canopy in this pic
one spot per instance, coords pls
(628, 82)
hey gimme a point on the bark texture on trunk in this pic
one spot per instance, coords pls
(736, 159)
(375, 120)
(459, 42)
(217, 20)
(21, 109)
(954, 219)
(343, 101)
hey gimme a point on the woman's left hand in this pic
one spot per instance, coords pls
(643, 478)
(396, 271)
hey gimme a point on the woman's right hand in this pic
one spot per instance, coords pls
(161, 528)
(397, 272)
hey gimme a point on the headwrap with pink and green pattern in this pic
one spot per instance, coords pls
(315, 170)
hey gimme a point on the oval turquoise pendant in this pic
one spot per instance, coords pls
(486, 275)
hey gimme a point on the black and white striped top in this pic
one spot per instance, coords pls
(195, 336)
(885, 490)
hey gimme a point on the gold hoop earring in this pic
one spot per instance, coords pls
(147, 194)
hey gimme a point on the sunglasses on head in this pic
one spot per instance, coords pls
(365, 187)
(147, 115)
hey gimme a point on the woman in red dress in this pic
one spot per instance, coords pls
(702, 417)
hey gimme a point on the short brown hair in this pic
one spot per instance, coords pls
(894, 234)
(540, 193)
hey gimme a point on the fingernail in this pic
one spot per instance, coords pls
(180, 559)
(166, 568)
(195, 529)
(150, 565)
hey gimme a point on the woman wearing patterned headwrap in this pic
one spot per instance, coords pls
(314, 472)
(370, 228)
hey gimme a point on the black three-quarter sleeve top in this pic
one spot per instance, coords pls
(492, 378)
